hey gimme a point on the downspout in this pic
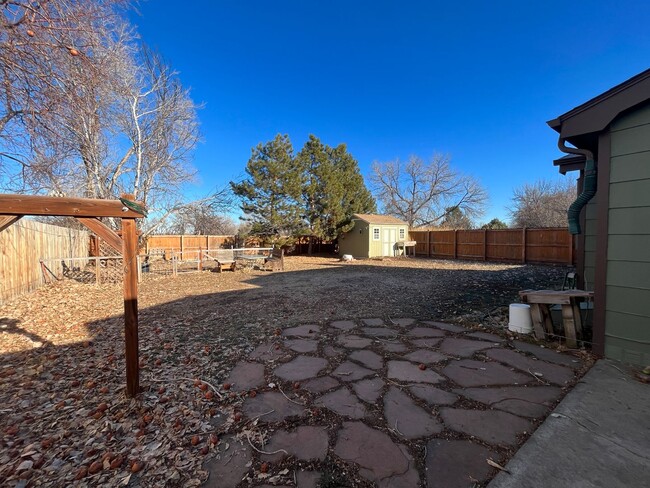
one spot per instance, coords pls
(588, 187)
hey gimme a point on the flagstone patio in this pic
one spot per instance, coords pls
(398, 403)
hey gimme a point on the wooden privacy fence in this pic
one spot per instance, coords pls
(544, 246)
(183, 243)
(24, 244)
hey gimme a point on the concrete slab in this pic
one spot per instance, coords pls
(598, 436)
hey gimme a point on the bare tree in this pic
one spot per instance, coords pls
(201, 220)
(38, 39)
(542, 204)
(88, 111)
(425, 193)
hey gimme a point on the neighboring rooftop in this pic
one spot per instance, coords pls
(379, 219)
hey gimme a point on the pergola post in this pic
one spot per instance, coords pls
(88, 211)
(129, 255)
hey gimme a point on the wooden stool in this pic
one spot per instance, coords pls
(539, 301)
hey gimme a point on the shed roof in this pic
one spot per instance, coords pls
(379, 219)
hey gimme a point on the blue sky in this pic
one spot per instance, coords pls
(475, 80)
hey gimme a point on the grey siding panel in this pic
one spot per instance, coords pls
(640, 116)
(631, 141)
(629, 248)
(630, 194)
(630, 167)
(627, 301)
(629, 274)
(631, 221)
(620, 350)
(591, 209)
(590, 243)
(632, 301)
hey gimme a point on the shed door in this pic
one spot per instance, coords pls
(388, 242)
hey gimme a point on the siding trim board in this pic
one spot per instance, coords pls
(602, 225)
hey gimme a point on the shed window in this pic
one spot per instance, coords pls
(375, 233)
(402, 234)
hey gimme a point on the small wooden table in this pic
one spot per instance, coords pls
(539, 300)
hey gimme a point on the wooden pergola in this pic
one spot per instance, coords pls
(88, 212)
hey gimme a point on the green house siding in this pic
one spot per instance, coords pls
(590, 243)
(627, 306)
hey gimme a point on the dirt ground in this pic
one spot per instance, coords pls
(62, 361)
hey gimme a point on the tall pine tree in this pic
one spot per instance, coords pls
(333, 189)
(271, 194)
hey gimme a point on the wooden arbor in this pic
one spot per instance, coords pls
(88, 211)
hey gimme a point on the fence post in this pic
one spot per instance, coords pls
(523, 245)
(200, 265)
(484, 244)
(455, 243)
(139, 269)
(174, 264)
(97, 277)
(182, 239)
(570, 249)
(428, 243)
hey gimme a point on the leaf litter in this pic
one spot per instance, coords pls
(66, 420)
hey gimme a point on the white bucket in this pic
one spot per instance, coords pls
(520, 319)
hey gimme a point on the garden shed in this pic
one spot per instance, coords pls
(610, 135)
(373, 236)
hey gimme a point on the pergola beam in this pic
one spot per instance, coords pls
(64, 207)
(8, 220)
(98, 227)
(87, 211)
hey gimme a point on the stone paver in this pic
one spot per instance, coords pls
(531, 401)
(463, 347)
(246, 376)
(457, 463)
(468, 373)
(343, 324)
(425, 356)
(486, 336)
(379, 332)
(373, 322)
(426, 342)
(433, 395)
(406, 418)
(272, 405)
(309, 331)
(331, 352)
(354, 341)
(321, 384)
(267, 352)
(409, 372)
(403, 322)
(302, 345)
(228, 469)
(369, 359)
(380, 460)
(425, 332)
(392, 374)
(550, 355)
(549, 372)
(369, 390)
(306, 443)
(491, 426)
(342, 402)
(447, 327)
(394, 346)
(349, 371)
(301, 368)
